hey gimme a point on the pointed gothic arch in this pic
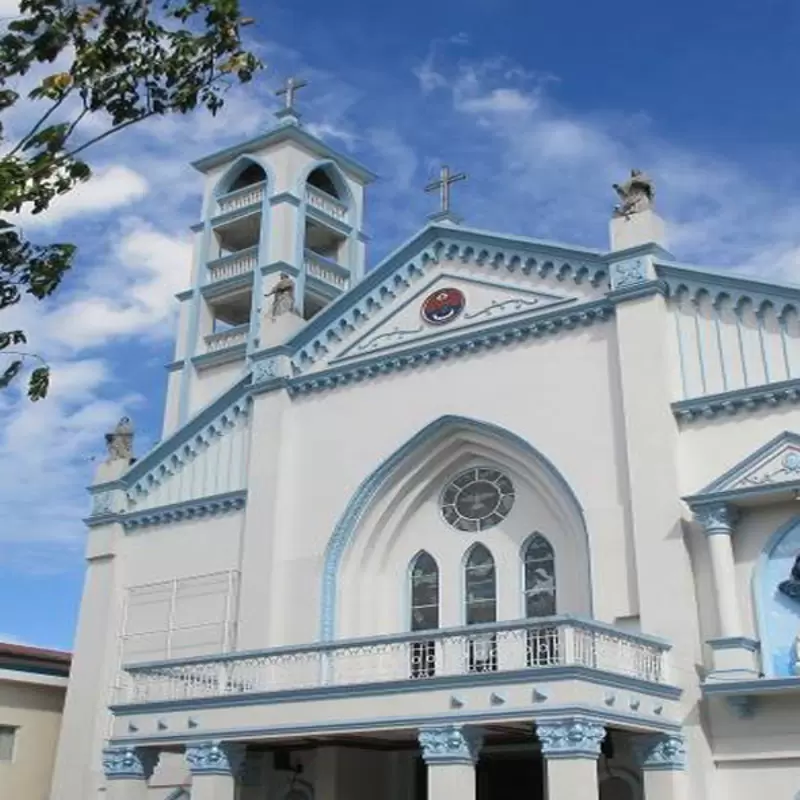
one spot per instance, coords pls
(371, 528)
(329, 171)
(244, 171)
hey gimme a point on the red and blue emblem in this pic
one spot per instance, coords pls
(443, 305)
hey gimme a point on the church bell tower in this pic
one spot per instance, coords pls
(281, 236)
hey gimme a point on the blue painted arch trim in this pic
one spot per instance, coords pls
(384, 472)
(762, 599)
(236, 167)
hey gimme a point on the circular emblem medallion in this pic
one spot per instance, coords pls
(477, 499)
(443, 305)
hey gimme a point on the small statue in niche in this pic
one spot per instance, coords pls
(282, 296)
(120, 441)
(791, 587)
(637, 194)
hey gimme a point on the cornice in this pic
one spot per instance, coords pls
(473, 341)
(234, 353)
(751, 399)
(199, 508)
(226, 285)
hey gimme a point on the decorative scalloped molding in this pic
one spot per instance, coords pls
(190, 509)
(570, 738)
(526, 261)
(463, 344)
(451, 744)
(204, 435)
(750, 399)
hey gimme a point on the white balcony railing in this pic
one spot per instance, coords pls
(225, 339)
(326, 270)
(526, 645)
(241, 198)
(232, 265)
(325, 203)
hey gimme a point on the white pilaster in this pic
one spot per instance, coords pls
(663, 762)
(127, 771)
(450, 753)
(571, 748)
(215, 768)
(734, 654)
(643, 227)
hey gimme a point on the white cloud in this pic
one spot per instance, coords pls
(109, 189)
(499, 100)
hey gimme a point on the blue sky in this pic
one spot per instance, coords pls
(543, 104)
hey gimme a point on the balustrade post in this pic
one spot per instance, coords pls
(450, 753)
(663, 762)
(215, 768)
(571, 748)
(127, 770)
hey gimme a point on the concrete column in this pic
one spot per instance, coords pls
(450, 753)
(663, 762)
(718, 521)
(571, 748)
(215, 768)
(127, 771)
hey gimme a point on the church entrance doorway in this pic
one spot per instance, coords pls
(513, 775)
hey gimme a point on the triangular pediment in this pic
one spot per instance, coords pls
(495, 280)
(775, 463)
(447, 305)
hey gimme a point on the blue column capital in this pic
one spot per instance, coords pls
(215, 758)
(450, 744)
(570, 738)
(717, 518)
(129, 763)
(662, 752)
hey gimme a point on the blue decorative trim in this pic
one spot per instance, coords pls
(363, 496)
(734, 643)
(196, 227)
(445, 682)
(451, 744)
(129, 763)
(662, 752)
(227, 285)
(644, 289)
(198, 508)
(237, 213)
(280, 266)
(752, 398)
(570, 738)
(490, 716)
(186, 294)
(174, 366)
(279, 134)
(715, 518)
(215, 758)
(285, 197)
(756, 686)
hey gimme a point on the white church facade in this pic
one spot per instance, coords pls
(497, 518)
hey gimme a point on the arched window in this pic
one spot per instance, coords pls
(424, 593)
(480, 607)
(320, 179)
(424, 577)
(539, 564)
(540, 577)
(251, 174)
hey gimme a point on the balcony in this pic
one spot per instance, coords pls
(240, 199)
(233, 265)
(327, 271)
(323, 202)
(526, 646)
(223, 340)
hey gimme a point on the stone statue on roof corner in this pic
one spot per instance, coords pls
(120, 441)
(637, 194)
(282, 296)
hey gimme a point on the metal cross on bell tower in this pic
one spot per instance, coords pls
(288, 91)
(442, 185)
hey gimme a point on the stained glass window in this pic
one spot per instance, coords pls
(424, 593)
(540, 577)
(481, 587)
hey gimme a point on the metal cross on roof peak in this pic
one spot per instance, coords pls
(442, 184)
(291, 85)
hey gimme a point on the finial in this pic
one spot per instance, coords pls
(637, 194)
(288, 113)
(442, 185)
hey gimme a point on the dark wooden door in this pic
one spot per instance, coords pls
(510, 777)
